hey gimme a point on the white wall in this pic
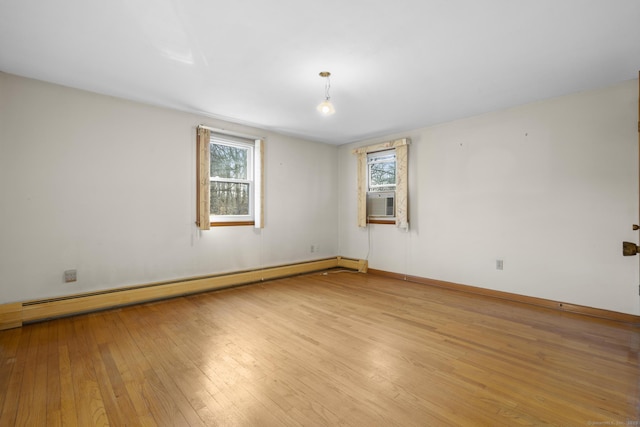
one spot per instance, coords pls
(551, 188)
(107, 187)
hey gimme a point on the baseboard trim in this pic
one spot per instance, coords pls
(540, 302)
(14, 315)
(10, 315)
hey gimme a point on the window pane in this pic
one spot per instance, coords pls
(229, 198)
(228, 161)
(382, 174)
(382, 156)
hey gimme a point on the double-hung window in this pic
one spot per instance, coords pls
(382, 171)
(381, 168)
(381, 186)
(229, 179)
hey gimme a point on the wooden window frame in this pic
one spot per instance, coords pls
(402, 191)
(203, 180)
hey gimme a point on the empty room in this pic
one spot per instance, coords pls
(363, 213)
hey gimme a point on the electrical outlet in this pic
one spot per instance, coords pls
(499, 264)
(70, 276)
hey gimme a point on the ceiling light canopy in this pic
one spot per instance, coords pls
(326, 107)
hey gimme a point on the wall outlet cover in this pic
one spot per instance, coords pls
(70, 276)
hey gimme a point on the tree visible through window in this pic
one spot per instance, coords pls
(231, 180)
(382, 170)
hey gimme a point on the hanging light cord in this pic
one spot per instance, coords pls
(325, 106)
(326, 88)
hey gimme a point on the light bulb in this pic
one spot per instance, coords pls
(326, 107)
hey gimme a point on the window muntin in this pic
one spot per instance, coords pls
(231, 180)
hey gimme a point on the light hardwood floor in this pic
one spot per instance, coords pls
(335, 349)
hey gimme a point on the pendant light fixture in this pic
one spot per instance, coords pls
(326, 107)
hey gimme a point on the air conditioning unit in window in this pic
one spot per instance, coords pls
(381, 204)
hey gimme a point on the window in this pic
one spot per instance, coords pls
(381, 187)
(382, 183)
(229, 180)
(381, 167)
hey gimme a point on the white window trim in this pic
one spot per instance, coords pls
(250, 147)
(381, 187)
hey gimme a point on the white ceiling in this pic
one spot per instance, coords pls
(396, 65)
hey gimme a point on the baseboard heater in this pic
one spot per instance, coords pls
(14, 315)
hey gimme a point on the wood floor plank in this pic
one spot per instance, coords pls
(32, 409)
(9, 348)
(334, 349)
(118, 405)
(167, 404)
(67, 393)
(89, 402)
(125, 356)
(53, 391)
(68, 411)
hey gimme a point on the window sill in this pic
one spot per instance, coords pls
(231, 223)
(381, 221)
